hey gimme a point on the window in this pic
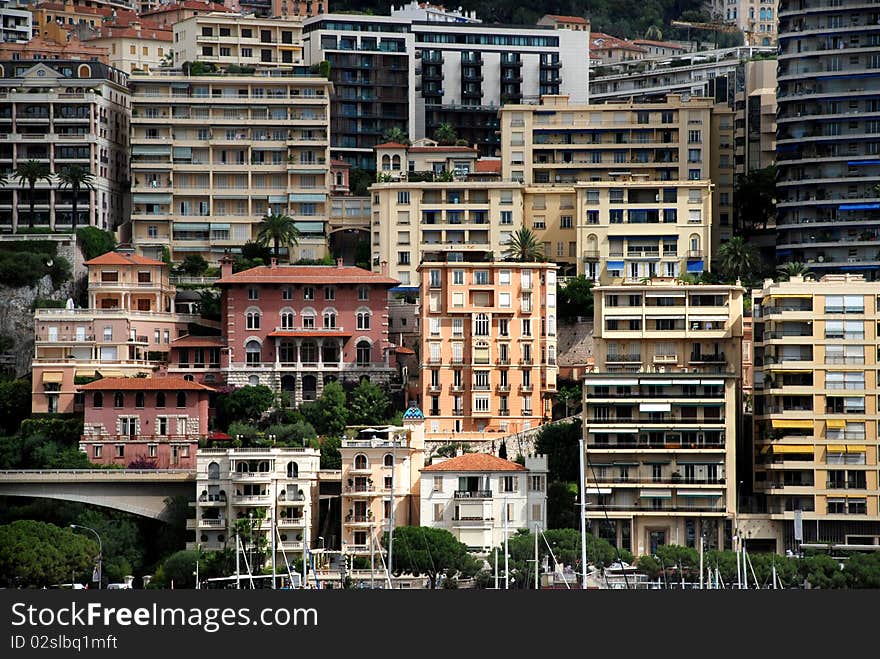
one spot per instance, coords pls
(252, 352)
(481, 277)
(536, 484)
(457, 327)
(118, 400)
(287, 293)
(363, 320)
(286, 319)
(308, 319)
(363, 293)
(508, 483)
(160, 399)
(253, 293)
(481, 325)
(506, 217)
(403, 197)
(253, 319)
(308, 293)
(434, 326)
(329, 293)
(458, 277)
(329, 319)
(181, 399)
(139, 399)
(481, 403)
(438, 484)
(526, 327)
(363, 353)
(504, 300)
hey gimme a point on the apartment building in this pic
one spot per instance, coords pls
(380, 472)
(815, 400)
(605, 49)
(154, 420)
(16, 23)
(211, 156)
(756, 18)
(217, 38)
(756, 117)
(295, 328)
(174, 12)
(828, 202)
(481, 499)
(300, 8)
(40, 48)
(64, 112)
(134, 45)
(565, 22)
(661, 411)
(245, 494)
(373, 80)
(125, 332)
(488, 347)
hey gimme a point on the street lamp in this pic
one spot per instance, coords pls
(100, 549)
(321, 540)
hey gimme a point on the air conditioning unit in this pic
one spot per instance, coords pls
(685, 370)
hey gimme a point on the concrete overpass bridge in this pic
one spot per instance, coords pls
(138, 491)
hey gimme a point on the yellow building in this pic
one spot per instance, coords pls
(661, 410)
(211, 156)
(815, 401)
(134, 45)
(488, 348)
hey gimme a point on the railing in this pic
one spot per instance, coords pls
(359, 519)
(473, 494)
(359, 488)
(472, 521)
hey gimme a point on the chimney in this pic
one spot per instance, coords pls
(226, 266)
(339, 263)
(274, 263)
(383, 268)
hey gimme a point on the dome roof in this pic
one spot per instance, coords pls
(413, 412)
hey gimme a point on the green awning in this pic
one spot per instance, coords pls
(151, 150)
(219, 227)
(310, 227)
(277, 199)
(191, 226)
(150, 198)
(656, 494)
(183, 152)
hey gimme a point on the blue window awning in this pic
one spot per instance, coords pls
(308, 198)
(310, 227)
(183, 152)
(695, 266)
(151, 198)
(190, 226)
(277, 199)
(858, 207)
(614, 265)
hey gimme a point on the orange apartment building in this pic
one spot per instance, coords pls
(488, 350)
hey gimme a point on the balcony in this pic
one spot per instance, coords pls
(473, 494)
(665, 359)
(707, 359)
(624, 359)
(251, 499)
(525, 361)
(525, 388)
(359, 520)
(502, 388)
(472, 521)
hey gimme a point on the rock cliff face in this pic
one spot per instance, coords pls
(16, 307)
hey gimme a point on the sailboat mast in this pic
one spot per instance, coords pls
(701, 561)
(496, 568)
(506, 552)
(583, 518)
(274, 545)
(537, 585)
(237, 564)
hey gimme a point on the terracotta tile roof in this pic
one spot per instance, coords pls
(663, 44)
(602, 41)
(197, 341)
(568, 19)
(144, 384)
(441, 149)
(390, 145)
(76, 9)
(488, 166)
(339, 163)
(476, 462)
(190, 4)
(117, 258)
(308, 274)
(123, 28)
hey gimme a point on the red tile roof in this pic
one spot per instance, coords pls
(144, 384)
(476, 462)
(197, 341)
(602, 41)
(307, 274)
(488, 166)
(117, 258)
(568, 19)
(663, 44)
(390, 145)
(441, 149)
(338, 163)
(76, 9)
(190, 4)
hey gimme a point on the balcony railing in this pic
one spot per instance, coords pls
(473, 494)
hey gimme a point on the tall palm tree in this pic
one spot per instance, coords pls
(396, 134)
(75, 177)
(277, 228)
(32, 171)
(524, 247)
(738, 259)
(794, 269)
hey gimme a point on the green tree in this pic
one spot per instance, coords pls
(570, 397)
(123, 546)
(194, 265)
(576, 299)
(368, 405)
(278, 229)
(524, 247)
(396, 134)
(329, 414)
(433, 552)
(94, 241)
(560, 443)
(331, 457)
(298, 433)
(209, 304)
(179, 569)
(245, 404)
(794, 269)
(31, 172)
(15, 404)
(445, 134)
(75, 178)
(738, 259)
(562, 505)
(35, 553)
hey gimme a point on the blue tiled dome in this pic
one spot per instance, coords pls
(413, 412)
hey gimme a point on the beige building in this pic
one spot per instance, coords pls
(424, 160)
(134, 46)
(660, 414)
(380, 466)
(815, 400)
(722, 172)
(173, 12)
(252, 492)
(756, 117)
(211, 156)
(221, 39)
(488, 348)
(756, 18)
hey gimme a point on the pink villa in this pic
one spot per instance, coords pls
(159, 419)
(296, 328)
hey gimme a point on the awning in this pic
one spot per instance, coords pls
(695, 266)
(610, 383)
(598, 490)
(620, 317)
(183, 152)
(793, 423)
(151, 150)
(698, 462)
(655, 407)
(404, 289)
(657, 382)
(656, 494)
(310, 227)
(790, 295)
(190, 226)
(110, 373)
(625, 464)
(665, 294)
(699, 493)
(219, 227)
(791, 448)
(836, 448)
(835, 423)
(709, 319)
(307, 197)
(609, 431)
(53, 377)
(665, 317)
(712, 383)
(150, 198)
(614, 265)
(657, 462)
(855, 448)
(277, 199)
(85, 373)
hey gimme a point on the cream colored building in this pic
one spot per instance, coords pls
(660, 414)
(488, 348)
(756, 18)
(380, 465)
(211, 156)
(756, 117)
(815, 401)
(218, 38)
(276, 488)
(722, 171)
(136, 46)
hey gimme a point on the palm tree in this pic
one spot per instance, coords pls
(75, 177)
(32, 171)
(738, 259)
(794, 269)
(654, 32)
(524, 247)
(277, 228)
(396, 134)
(445, 134)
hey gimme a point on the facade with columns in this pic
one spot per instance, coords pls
(296, 328)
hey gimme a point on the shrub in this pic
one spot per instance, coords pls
(94, 241)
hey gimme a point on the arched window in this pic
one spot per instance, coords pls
(481, 325)
(395, 162)
(253, 353)
(329, 319)
(181, 399)
(361, 462)
(363, 353)
(386, 162)
(340, 179)
(213, 471)
(139, 399)
(292, 470)
(242, 467)
(98, 399)
(308, 318)
(160, 399)
(189, 378)
(252, 317)
(388, 460)
(695, 244)
(551, 325)
(118, 399)
(363, 319)
(253, 381)
(287, 318)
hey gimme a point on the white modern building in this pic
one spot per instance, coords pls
(16, 23)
